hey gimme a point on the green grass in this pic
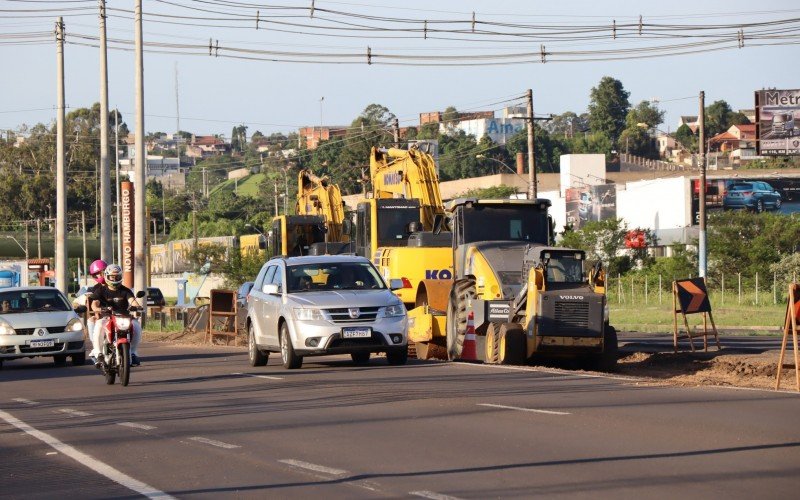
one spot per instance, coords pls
(658, 318)
(248, 186)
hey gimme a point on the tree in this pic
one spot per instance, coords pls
(567, 124)
(601, 240)
(720, 117)
(644, 113)
(450, 115)
(369, 129)
(686, 138)
(608, 108)
(489, 193)
(239, 138)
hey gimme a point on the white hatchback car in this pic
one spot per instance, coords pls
(317, 305)
(39, 321)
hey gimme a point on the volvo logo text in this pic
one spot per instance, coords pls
(570, 297)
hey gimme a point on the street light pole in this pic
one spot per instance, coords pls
(484, 157)
(702, 189)
(24, 249)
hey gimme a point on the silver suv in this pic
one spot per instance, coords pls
(318, 305)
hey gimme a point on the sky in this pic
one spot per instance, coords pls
(217, 93)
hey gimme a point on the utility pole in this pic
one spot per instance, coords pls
(140, 203)
(396, 128)
(276, 198)
(117, 182)
(702, 188)
(62, 261)
(205, 184)
(39, 238)
(27, 257)
(532, 188)
(177, 107)
(106, 240)
(83, 231)
(194, 227)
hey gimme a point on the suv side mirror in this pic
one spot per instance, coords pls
(271, 289)
(395, 284)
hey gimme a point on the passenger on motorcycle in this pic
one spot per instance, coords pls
(118, 297)
(95, 271)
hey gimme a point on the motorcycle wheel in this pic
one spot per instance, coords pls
(124, 359)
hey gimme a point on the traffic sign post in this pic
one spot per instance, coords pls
(791, 324)
(690, 296)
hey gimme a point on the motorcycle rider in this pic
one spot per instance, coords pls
(119, 297)
(96, 269)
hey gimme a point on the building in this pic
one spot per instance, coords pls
(167, 171)
(203, 146)
(438, 116)
(312, 136)
(499, 130)
(689, 121)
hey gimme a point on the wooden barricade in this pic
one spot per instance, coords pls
(222, 316)
(791, 324)
(690, 296)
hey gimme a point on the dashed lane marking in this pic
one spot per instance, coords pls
(312, 467)
(75, 413)
(134, 425)
(25, 401)
(268, 377)
(90, 462)
(531, 410)
(432, 495)
(213, 442)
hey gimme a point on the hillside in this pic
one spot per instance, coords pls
(248, 186)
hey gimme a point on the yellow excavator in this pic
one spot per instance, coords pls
(319, 226)
(529, 300)
(395, 224)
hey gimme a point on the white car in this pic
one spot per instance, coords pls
(39, 321)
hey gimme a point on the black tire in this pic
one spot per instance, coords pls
(254, 355)
(124, 363)
(291, 360)
(463, 290)
(360, 358)
(79, 359)
(397, 357)
(512, 344)
(759, 206)
(111, 376)
(492, 355)
(607, 360)
(60, 360)
(778, 204)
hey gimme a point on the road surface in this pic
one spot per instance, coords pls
(198, 422)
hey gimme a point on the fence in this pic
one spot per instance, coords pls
(729, 289)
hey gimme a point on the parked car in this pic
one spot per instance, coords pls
(751, 195)
(241, 294)
(318, 305)
(155, 298)
(39, 321)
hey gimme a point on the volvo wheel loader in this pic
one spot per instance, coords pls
(529, 300)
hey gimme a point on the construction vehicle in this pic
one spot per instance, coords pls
(319, 227)
(529, 299)
(394, 226)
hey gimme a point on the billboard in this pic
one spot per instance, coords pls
(128, 215)
(590, 203)
(778, 122)
(780, 194)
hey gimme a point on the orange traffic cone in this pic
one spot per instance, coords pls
(469, 352)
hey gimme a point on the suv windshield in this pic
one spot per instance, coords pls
(742, 187)
(333, 276)
(26, 301)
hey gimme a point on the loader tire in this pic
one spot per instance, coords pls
(512, 345)
(606, 361)
(463, 292)
(492, 345)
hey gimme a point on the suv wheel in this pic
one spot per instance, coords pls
(290, 359)
(255, 356)
(397, 357)
(778, 204)
(759, 206)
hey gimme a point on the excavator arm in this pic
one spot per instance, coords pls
(317, 196)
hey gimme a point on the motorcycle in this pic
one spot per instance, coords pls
(117, 345)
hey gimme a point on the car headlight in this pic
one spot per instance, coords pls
(394, 311)
(122, 323)
(6, 329)
(308, 314)
(74, 325)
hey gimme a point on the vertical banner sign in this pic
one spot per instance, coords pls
(126, 261)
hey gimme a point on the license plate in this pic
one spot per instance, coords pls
(43, 343)
(356, 333)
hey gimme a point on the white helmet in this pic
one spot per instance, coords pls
(113, 274)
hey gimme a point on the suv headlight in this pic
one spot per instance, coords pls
(394, 311)
(74, 325)
(308, 314)
(6, 329)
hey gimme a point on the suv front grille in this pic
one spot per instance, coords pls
(50, 329)
(569, 314)
(342, 314)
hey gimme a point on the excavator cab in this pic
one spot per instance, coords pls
(294, 235)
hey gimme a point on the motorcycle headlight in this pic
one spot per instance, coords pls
(6, 329)
(75, 325)
(394, 311)
(122, 323)
(308, 314)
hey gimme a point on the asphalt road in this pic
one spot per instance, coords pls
(197, 422)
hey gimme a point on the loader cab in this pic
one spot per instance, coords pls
(563, 266)
(293, 235)
(384, 222)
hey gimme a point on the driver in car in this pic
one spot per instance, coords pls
(119, 298)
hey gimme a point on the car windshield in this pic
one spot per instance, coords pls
(154, 292)
(333, 276)
(742, 187)
(26, 301)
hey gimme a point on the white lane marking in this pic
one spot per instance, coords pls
(314, 467)
(432, 495)
(268, 377)
(51, 453)
(531, 410)
(212, 442)
(90, 462)
(25, 401)
(134, 425)
(75, 413)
